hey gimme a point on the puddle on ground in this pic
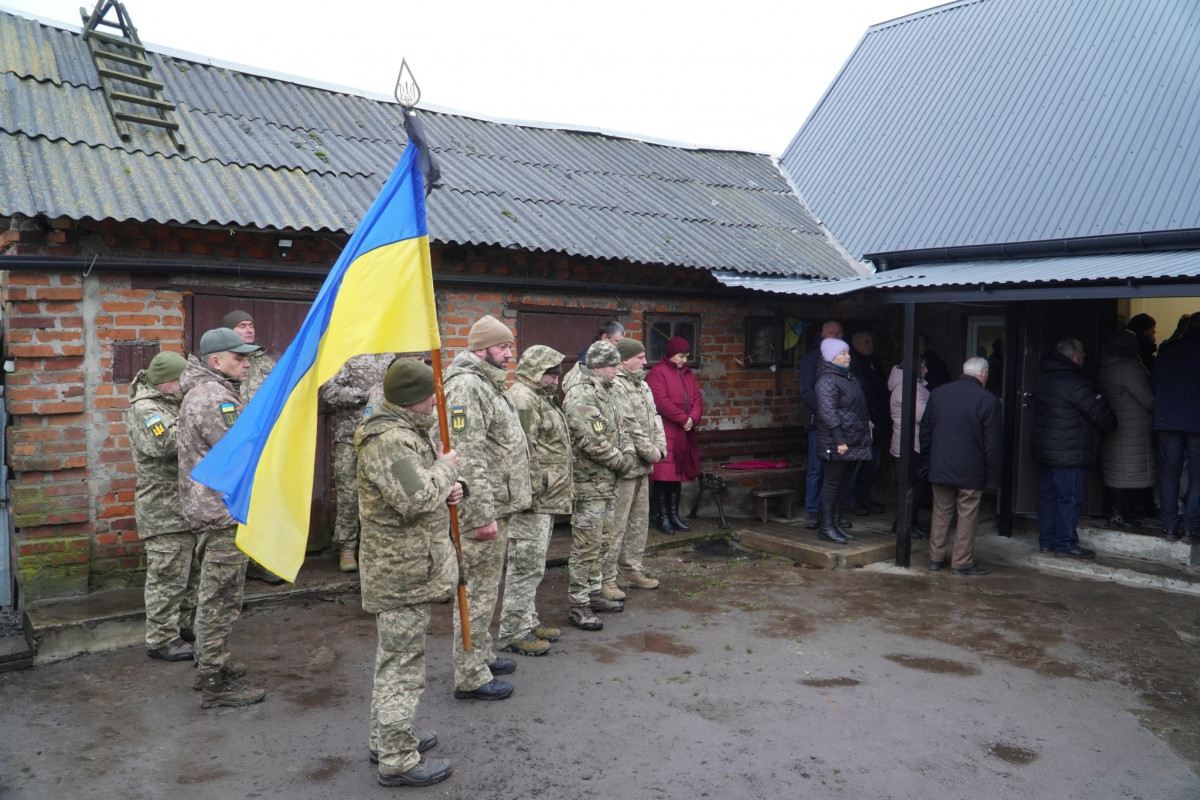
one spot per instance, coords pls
(1012, 754)
(938, 666)
(721, 549)
(328, 768)
(826, 683)
(654, 643)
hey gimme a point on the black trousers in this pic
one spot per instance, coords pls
(834, 481)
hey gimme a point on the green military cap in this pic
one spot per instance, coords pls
(165, 367)
(220, 339)
(408, 382)
(628, 348)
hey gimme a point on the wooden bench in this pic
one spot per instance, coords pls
(749, 491)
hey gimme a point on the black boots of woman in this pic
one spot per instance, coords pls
(667, 504)
(830, 525)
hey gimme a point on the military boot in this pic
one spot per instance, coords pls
(348, 562)
(583, 618)
(175, 650)
(602, 605)
(235, 669)
(529, 645)
(637, 580)
(610, 591)
(222, 689)
(547, 633)
(426, 773)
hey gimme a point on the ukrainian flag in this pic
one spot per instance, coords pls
(378, 298)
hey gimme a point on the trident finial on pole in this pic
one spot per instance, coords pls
(407, 92)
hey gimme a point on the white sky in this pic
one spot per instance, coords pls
(742, 75)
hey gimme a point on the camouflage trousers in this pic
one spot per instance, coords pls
(172, 579)
(528, 541)
(399, 683)
(219, 603)
(483, 563)
(591, 531)
(345, 479)
(631, 526)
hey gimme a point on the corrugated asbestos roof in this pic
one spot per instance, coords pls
(1013, 272)
(990, 121)
(271, 153)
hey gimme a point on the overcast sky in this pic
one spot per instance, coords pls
(743, 75)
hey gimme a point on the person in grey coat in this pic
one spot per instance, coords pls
(1128, 456)
(843, 434)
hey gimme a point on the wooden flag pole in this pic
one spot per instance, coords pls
(464, 616)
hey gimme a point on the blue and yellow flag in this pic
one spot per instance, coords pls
(378, 298)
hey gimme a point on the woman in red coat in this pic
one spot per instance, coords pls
(678, 400)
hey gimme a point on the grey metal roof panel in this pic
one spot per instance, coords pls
(1013, 272)
(279, 154)
(990, 121)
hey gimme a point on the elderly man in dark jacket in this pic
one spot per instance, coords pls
(1069, 417)
(1176, 383)
(961, 440)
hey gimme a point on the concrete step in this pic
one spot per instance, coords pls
(873, 542)
(1126, 570)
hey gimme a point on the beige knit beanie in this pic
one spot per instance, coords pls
(488, 332)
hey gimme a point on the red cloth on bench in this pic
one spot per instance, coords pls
(756, 465)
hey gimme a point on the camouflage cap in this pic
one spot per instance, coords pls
(602, 354)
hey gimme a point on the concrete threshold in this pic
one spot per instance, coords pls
(873, 542)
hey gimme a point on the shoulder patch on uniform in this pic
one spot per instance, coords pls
(155, 424)
(228, 413)
(598, 425)
(367, 412)
(406, 470)
(458, 418)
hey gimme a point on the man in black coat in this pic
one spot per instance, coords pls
(1070, 415)
(867, 369)
(1177, 423)
(961, 439)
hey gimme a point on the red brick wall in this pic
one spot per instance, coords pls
(73, 478)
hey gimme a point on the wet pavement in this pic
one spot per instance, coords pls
(744, 676)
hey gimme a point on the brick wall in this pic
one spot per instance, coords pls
(72, 476)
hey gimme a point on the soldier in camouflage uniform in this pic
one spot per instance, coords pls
(639, 417)
(171, 576)
(534, 394)
(486, 432)
(345, 394)
(211, 404)
(612, 332)
(407, 562)
(261, 365)
(603, 452)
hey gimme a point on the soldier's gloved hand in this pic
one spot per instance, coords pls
(487, 533)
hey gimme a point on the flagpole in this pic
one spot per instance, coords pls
(464, 616)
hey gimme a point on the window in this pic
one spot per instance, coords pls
(661, 327)
(764, 344)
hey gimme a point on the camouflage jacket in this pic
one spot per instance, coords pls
(261, 365)
(151, 422)
(545, 427)
(405, 555)
(574, 375)
(346, 393)
(211, 404)
(599, 444)
(639, 417)
(486, 433)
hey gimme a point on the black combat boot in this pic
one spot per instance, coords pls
(825, 528)
(661, 501)
(676, 522)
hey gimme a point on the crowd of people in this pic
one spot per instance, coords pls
(516, 458)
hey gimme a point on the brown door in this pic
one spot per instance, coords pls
(276, 323)
(568, 333)
(1046, 323)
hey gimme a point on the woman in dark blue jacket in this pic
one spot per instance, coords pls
(843, 433)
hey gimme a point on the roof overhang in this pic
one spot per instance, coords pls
(1160, 274)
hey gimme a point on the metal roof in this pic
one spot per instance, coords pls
(267, 152)
(991, 121)
(1045, 272)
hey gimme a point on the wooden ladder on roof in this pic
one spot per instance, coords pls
(126, 77)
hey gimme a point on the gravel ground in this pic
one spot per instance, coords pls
(10, 622)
